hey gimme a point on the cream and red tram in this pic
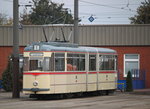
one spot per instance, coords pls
(63, 68)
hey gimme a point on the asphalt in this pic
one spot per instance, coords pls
(8, 95)
(138, 99)
(141, 91)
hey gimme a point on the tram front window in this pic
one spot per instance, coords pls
(37, 64)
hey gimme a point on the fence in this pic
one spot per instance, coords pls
(138, 77)
(138, 80)
(0, 84)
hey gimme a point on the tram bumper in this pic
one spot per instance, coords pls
(36, 89)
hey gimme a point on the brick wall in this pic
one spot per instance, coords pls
(5, 52)
(143, 51)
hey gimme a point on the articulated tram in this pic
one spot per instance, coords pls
(65, 68)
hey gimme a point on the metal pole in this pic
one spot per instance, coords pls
(16, 92)
(76, 19)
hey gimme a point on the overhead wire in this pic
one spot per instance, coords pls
(105, 5)
(113, 15)
(20, 2)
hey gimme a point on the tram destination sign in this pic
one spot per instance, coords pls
(36, 54)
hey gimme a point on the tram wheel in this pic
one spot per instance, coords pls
(107, 92)
(61, 96)
(80, 94)
(69, 95)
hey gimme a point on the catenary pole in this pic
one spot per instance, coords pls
(15, 57)
(76, 19)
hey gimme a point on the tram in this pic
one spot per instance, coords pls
(64, 68)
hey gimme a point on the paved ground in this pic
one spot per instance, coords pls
(136, 100)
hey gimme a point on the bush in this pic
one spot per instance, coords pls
(129, 87)
(7, 77)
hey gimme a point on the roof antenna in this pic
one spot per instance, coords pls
(52, 33)
(44, 34)
(63, 35)
(127, 4)
(70, 34)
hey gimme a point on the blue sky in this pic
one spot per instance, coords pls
(103, 11)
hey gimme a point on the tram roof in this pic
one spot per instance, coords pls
(65, 46)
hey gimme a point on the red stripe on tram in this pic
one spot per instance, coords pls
(53, 73)
(60, 73)
(108, 72)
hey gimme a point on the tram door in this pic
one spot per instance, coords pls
(92, 73)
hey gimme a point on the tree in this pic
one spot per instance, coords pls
(9, 21)
(129, 87)
(25, 18)
(143, 14)
(3, 19)
(7, 77)
(47, 12)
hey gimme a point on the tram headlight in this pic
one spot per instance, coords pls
(35, 83)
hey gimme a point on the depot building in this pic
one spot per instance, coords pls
(132, 43)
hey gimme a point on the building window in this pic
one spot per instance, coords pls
(131, 63)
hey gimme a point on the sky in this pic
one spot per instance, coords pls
(103, 11)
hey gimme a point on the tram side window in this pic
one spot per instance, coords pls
(59, 62)
(75, 62)
(51, 64)
(81, 62)
(26, 64)
(72, 62)
(92, 62)
(46, 64)
(107, 62)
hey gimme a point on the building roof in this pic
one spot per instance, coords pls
(91, 35)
